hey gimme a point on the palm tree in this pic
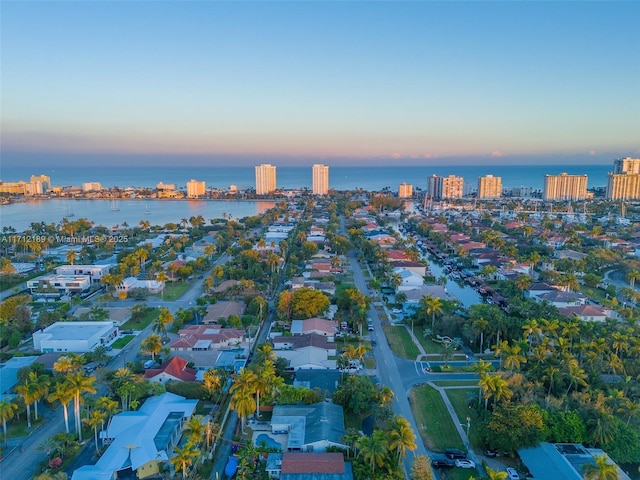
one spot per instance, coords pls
(62, 393)
(184, 457)
(160, 324)
(532, 329)
(386, 397)
(601, 470)
(513, 357)
(401, 437)
(195, 428)
(29, 392)
(373, 449)
(71, 256)
(242, 389)
(79, 384)
(152, 344)
(95, 420)
(212, 381)
(447, 352)
(433, 306)
(7, 411)
(632, 276)
(495, 474)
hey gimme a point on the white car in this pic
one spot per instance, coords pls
(464, 463)
(396, 310)
(512, 474)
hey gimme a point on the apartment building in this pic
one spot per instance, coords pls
(265, 179)
(405, 190)
(489, 187)
(565, 187)
(623, 186)
(320, 179)
(445, 187)
(626, 165)
(44, 180)
(196, 188)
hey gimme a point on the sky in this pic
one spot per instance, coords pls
(411, 82)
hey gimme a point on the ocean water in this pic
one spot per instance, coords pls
(340, 178)
(159, 212)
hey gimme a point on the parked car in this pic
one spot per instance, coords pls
(491, 453)
(454, 453)
(442, 464)
(396, 310)
(464, 463)
(512, 474)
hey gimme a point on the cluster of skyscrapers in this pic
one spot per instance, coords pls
(622, 184)
(266, 179)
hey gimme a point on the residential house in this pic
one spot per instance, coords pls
(319, 326)
(408, 280)
(222, 311)
(140, 441)
(587, 313)
(310, 351)
(561, 461)
(561, 299)
(308, 466)
(206, 337)
(173, 369)
(131, 283)
(310, 428)
(77, 337)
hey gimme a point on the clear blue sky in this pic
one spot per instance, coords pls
(504, 81)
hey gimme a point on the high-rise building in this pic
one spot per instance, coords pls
(405, 190)
(320, 179)
(265, 179)
(626, 165)
(565, 187)
(623, 186)
(44, 179)
(489, 187)
(445, 187)
(195, 188)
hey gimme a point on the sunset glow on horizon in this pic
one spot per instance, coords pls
(397, 80)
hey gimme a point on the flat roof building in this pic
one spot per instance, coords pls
(405, 190)
(565, 187)
(77, 337)
(489, 187)
(445, 187)
(195, 188)
(623, 186)
(320, 179)
(626, 165)
(60, 284)
(265, 179)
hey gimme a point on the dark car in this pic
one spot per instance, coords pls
(442, 464)
(489, 452)
(454, 453)
(374, 343)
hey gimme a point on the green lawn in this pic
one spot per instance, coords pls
(458, 398)
(369, 363)
(141, 323)
(174, 290)
(427, 343)
(122, 341)
(457, 474)
(456, 383)
(401, 342)
(432, 417)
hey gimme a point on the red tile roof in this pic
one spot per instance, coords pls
(176, 367)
